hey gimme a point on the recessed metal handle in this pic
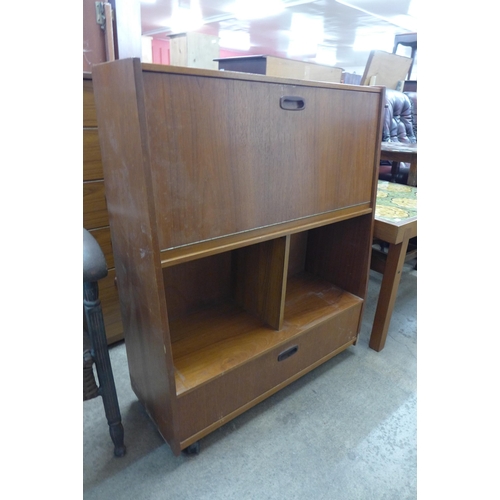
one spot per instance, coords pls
(288, 352)
(292, 103)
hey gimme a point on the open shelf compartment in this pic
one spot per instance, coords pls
(228, 309)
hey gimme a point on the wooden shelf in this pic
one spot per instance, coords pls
(310, 299)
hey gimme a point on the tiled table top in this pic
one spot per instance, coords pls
(396, 203)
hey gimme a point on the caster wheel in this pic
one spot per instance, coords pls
(192, 449)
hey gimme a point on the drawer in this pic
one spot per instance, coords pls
(92, 161)
(103, 237)
(89, 112)
(216, 402)
(95, 212)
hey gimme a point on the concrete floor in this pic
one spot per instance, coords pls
(345, 431)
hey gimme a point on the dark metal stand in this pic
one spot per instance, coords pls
(94, 269)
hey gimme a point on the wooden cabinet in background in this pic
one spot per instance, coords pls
(280, 66)
(241, 210)
(194, 50)
(95, 213)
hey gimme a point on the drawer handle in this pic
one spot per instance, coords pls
(292, 103)
(288, 352)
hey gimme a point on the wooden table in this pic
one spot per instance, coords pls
(395, 223)
(399, 152)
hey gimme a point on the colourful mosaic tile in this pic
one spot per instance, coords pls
(395, 202)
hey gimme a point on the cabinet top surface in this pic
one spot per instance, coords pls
(232, 75)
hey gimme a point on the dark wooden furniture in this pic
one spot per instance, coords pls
(408, 40)
(398, 152)
(95, 212)
(396, 224)
(410, 86)
(241, 210)
(95, 343)
(280, 66)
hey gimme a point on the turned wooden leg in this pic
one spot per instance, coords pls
(97, 334)
(388, 291)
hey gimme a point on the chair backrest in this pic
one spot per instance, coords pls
(413, 100)
(398, 122)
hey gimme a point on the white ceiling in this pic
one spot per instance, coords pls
(342, 32)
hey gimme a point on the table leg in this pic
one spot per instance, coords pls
(395, 170)
(388, 292)
(412, 174)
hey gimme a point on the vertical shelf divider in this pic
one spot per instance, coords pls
(260, 277)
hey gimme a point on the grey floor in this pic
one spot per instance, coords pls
(346, 431)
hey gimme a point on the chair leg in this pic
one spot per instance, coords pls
(97, 334)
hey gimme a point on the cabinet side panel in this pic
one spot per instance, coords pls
(111, 308)
(226, 158)
(135, 245)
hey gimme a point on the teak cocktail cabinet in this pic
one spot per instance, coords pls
(241, 212)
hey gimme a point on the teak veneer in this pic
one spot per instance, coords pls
(241, 213)
(95, 213)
